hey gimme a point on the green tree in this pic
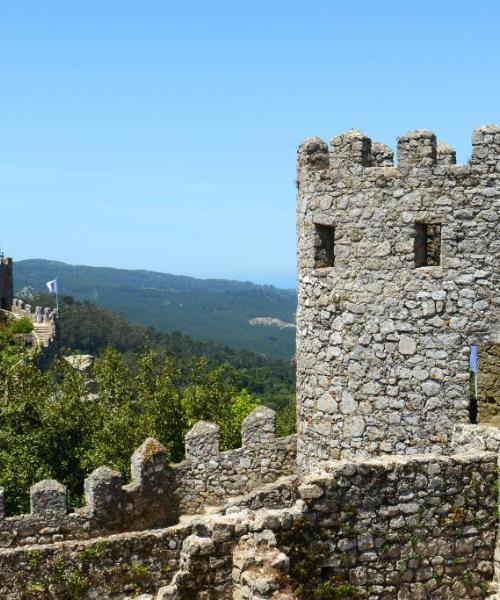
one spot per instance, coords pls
(51, 426)
(115, 433)
(242, 405)
(212, 397)
(160, 404)
(22, 443)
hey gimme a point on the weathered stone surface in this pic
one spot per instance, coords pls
(159, 494)
(385, 525)
(383, 338)
(48, 496)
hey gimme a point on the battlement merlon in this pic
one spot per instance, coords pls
(158, 492)
(352, 152)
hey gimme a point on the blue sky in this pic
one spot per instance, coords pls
(162, 135)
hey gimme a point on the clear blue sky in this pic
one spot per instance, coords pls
(162, 135)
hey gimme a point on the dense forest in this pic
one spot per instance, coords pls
(89, 329)
(215, 310)
(62, 423)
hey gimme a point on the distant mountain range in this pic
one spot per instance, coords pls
(239, 314)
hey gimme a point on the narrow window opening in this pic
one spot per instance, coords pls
(324, 246)
(487, 384)
(427, 245)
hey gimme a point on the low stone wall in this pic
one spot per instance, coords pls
(40, 315)
(44, 336)
(471, 438)
(405, 528)
(117, 566)
(157, 495)
(210, 477)
(399, 527)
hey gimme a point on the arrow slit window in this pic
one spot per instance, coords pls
(427, 245)
(324, 246)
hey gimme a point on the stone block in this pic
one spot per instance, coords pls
(259, 427)
(202, 441)
(104, 494)
(48, 497)
(148, 468)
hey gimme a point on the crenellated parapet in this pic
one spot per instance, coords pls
(157, 493)
(38, 314)
(420, 148)
(376, 528)
(211, 477)
(398, 275)
(44, 321)
(202, 442)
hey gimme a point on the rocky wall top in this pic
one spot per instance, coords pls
(410, 527)
(158, 494)
(38, 315)
(398, 273)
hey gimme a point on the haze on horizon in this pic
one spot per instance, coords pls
(162, 137)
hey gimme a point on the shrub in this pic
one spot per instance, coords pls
(22, 325)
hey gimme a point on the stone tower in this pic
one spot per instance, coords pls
(398, 270)
(6, 283)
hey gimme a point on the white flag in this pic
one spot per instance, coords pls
(52, 285)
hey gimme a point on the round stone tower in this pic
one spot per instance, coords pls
(398, 276)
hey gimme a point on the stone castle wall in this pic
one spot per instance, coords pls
(401, 527)
(158, 494)
(392, 527)
(44, 321)
(398, 274)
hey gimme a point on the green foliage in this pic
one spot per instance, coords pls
(35, 587)
(33, 557)
(134, 406)
(211, 397)
(95, 551)
(12, 349)
(286, 421)
(335, 590)
(89, 329)
(149, 384)
(22, 325)
(50, 427)
(139, 570)
(468, 579)
(73, 579)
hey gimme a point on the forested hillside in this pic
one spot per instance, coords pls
(206, 309)
(87, 328)
(61, 424)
